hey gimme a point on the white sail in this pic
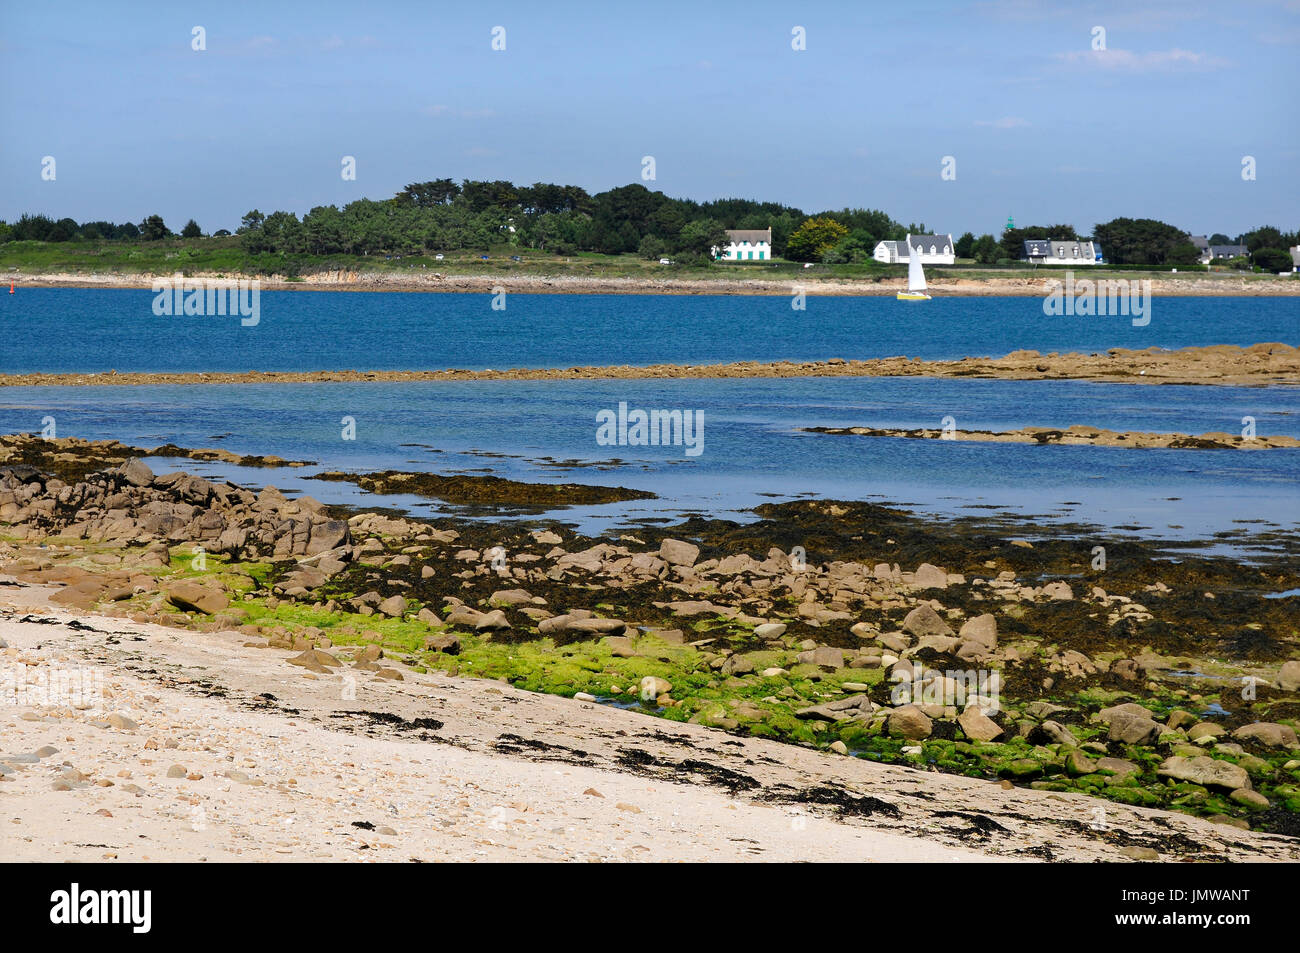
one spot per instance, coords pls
(915, 275)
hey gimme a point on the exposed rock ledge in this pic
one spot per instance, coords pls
(1078, 435)
(1258, 364)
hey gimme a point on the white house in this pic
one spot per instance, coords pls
(1042, 251)
(746, 244)
(933, 249)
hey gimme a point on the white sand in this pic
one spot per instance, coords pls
(312, 774)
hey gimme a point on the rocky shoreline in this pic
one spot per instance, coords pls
(487, 491)
(1227, 364)
(855, 630)
(1190, 284)
(71, 459)
(1077, 436)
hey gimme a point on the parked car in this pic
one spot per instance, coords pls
(438, 257)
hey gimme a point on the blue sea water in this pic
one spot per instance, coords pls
(64, 329)
(753, 449)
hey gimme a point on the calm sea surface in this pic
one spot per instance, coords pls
(60, 329)
(753, 451)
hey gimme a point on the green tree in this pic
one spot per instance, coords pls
(1142, 241)
(651, 248)
(856, 247)
(1183, 253)
(814, 238)
(623, 215)
(428, 194)
(191, 230)
(322, 231)
(698, 239)
(33, 228)
(93, 231)
(986, 250)
(964, 245)
(251, 220)
(279, 232)
(153, 229)
(668, 220)
(65, 230)
(542, 198)
(481, 196)
(1272, 259)
(1264, 237)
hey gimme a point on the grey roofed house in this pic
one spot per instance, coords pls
(933, 248)
(1040, 249)
(1227, 251)
(942, 242)
(1200, 241)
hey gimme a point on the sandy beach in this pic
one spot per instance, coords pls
(202, 748)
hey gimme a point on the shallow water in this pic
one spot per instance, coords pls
(752, 451)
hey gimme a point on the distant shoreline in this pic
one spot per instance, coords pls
(1223, 364)
(1033, 284)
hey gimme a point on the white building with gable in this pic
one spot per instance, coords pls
(1042, 251)
(933, 249)
(746, 244)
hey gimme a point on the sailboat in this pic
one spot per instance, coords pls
(915, 276)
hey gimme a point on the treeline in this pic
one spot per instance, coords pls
(42, 228)
(441, 215)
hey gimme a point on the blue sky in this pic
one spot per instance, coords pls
(1041, 126)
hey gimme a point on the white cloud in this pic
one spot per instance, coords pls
(1150, 15)
(1280, 37)
(457, 113)
(1153, 61)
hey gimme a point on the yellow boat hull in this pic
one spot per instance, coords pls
(913, 296)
